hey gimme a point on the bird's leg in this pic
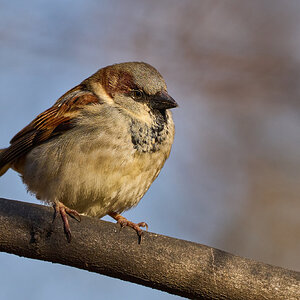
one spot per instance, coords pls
(124, 222)
(60, 208)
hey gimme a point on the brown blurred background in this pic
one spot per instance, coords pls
(233, 178)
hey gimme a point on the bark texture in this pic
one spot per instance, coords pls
(176, 266)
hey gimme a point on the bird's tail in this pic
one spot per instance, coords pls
(3, 168)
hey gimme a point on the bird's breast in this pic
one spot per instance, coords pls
(100, 166)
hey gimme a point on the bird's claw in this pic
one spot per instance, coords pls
(136, 226)
(124, 222)
(60, 208)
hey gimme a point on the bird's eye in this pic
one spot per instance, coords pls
(137, 94)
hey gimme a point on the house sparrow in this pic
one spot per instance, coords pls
(97, 150)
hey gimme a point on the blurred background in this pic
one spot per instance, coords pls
(233, 178)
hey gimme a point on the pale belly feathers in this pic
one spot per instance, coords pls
(94, 171)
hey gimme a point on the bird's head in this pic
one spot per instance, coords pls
(135, 86)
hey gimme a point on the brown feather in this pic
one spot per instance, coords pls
(51, 122)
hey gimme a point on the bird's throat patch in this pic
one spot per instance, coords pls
(148, 138)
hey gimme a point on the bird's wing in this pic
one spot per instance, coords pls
(49, 123)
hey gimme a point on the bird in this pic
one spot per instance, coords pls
(98, 149)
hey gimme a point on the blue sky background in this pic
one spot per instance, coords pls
(231, 181)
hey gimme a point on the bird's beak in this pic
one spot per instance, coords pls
(162, 100)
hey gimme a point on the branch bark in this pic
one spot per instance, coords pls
(176, 266)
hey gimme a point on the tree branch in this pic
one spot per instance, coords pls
(172, 265)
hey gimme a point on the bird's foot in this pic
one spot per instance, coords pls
(124, 222)
(60, 208)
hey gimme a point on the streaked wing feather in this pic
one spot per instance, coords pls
(51, 122)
